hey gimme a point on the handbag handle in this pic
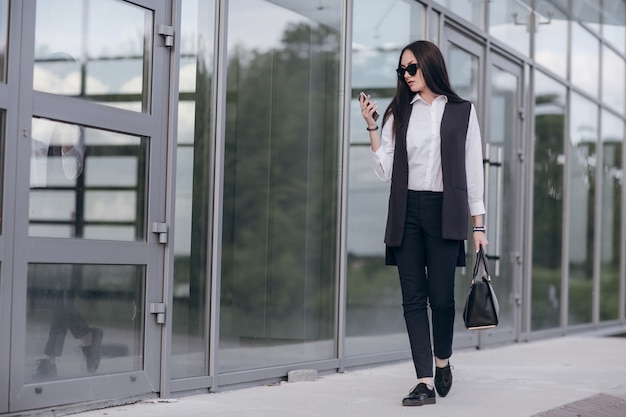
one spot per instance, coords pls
(481, 260)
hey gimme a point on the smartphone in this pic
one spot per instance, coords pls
(363, 96)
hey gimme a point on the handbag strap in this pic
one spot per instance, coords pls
(481, 261)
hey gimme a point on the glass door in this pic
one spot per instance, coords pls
(504, 171)
(465, 60)
(90, 180)
(494, 84)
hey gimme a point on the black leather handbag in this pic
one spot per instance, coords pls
(481, 306)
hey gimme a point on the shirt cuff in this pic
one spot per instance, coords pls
(477, 208)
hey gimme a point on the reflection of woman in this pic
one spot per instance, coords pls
(430, 150)
(72, 150)
(64, 315)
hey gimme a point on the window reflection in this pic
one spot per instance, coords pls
(280, 184)
(193, 176)
(549, 160)
(582, 174)
(97, 50)
(585, 60)
(613, 27)
(613, 76)
(374, 321)
(83, 320)
(510, 21)
(611, 214)
(86, 183)
(464, 73)
(474, 11)
(551, 38)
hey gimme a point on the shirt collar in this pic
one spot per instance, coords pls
(439, 98)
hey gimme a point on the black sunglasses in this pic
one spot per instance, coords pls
(411, 69)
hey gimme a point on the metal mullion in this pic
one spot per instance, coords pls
(218, 134)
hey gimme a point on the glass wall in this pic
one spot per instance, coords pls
(281, 153)
(583, 129)
(374, 318)
(547, 227)
(193, 190)
(279, 251)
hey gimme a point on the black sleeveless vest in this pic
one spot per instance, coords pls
(455, 212)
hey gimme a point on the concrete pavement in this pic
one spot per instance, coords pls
(518, 380)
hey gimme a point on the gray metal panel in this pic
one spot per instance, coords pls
(8, 97)
(219, 134)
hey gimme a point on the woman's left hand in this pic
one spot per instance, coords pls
(480, 238)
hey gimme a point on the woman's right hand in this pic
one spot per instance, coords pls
(368, 108)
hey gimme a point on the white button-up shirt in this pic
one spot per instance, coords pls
(423, 146)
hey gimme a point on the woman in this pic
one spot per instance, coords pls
(430, 149)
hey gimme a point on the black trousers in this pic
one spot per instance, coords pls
(64, 317)
(426, 266)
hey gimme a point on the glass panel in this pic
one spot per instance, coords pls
(501, 187)
(588, 12)
(280, 184)
(551, 38)
(463, 67)
(381, 30)
(4, 35)
(549, 159)
(374, 323)
(82, 320)
(193, 176)
(472, 10)
(611, 215)
(510, 21)
(374, 317)
(614, 24)
(582, 173)
(613, 75)
(96, 50)
(86, 183)
(585, 60)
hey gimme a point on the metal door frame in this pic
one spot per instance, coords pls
(488, 55)
(517, 157)
(19, 249)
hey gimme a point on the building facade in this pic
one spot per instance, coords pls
(190, 180)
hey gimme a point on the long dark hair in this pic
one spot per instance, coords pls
(433, 67)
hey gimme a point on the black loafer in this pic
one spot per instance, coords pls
(443, 380)
(420, 395)
(93, 352)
